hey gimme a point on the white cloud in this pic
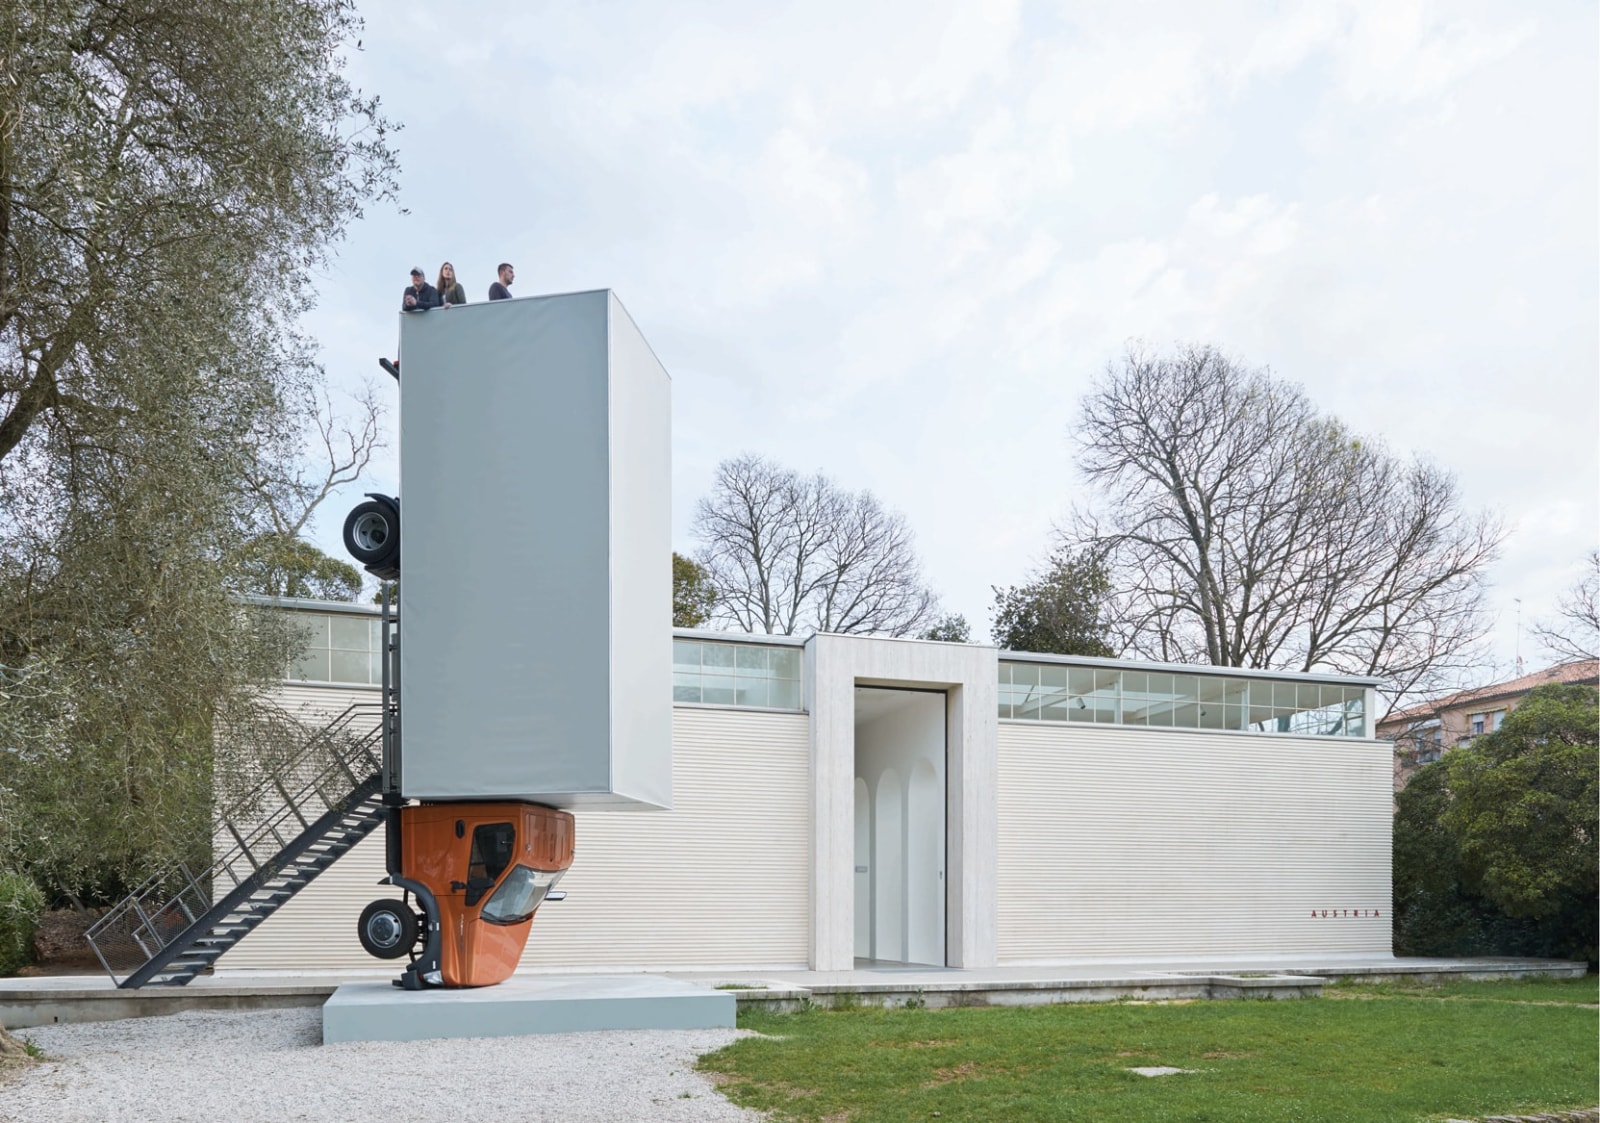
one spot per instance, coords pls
(894, 240)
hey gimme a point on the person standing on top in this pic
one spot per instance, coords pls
(450, 290)
(501, 289)
(419, 296)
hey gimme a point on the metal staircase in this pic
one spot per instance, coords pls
(325, 798)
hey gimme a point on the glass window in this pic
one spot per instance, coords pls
(311, 665)
(519, 895)
(492, 847)
(1168, 700)
(350, 666)
(315, 629)
(350, 634)
(736, 674)
(1355, 720)
(1056, 706)
(784, 662)
(785, 694)
(718, 690)
(1161, 699)
(337, 648)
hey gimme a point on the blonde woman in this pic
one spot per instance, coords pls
(450, 290)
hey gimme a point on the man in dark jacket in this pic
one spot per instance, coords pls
(501, 289)
(419, 295)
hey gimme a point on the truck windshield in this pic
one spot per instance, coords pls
(519, 895)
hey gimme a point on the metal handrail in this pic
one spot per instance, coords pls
(169, 902)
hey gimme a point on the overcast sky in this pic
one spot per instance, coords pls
(894, 240)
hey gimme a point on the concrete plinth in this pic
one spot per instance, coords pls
(379, 1011)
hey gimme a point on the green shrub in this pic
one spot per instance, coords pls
(1494, 846)
(21, 905)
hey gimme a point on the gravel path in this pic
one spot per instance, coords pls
(268, 1066)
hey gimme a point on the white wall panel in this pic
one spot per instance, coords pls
(1118, 842)
(316, 705)
(719, 880)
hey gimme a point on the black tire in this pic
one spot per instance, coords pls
(388, 929)
(372, 537)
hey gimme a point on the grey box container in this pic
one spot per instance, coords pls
(535, 537)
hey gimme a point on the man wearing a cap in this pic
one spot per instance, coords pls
(419, 295)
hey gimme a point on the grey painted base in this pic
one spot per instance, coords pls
(380, 1011)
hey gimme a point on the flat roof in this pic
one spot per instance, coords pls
(739, 637)
(309, 604)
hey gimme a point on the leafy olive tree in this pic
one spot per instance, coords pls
(170, 173)
(1241, 527)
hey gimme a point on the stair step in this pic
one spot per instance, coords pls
(346, 820)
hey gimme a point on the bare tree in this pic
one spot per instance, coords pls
(1242, 528)
(325, 449)
(790, 553)
(1575, 633)
(302, 455)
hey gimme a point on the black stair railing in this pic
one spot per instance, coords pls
(304, 815)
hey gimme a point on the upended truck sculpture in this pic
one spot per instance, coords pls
(534, 610)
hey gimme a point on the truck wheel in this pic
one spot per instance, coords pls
(387, 929)
(372, 536)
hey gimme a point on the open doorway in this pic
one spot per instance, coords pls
(900, 741)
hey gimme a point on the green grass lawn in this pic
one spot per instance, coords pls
(1585, 991)
(1372, 1053)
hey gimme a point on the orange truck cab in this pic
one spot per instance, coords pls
(478, 873)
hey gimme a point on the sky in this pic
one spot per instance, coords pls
(895, 241)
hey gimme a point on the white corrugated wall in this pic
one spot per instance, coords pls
(720, 880)
(316, 705)
(1123, 842)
